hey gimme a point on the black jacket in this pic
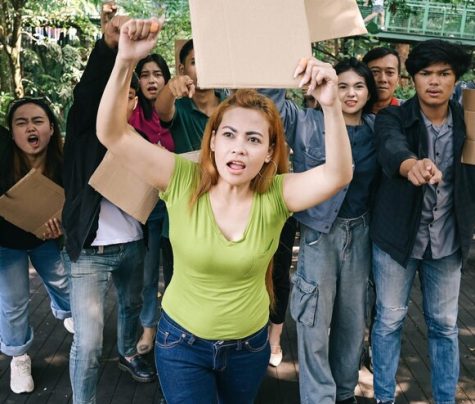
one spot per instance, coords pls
(83, 152)
(401, 134)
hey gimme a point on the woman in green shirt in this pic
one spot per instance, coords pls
(226, 213)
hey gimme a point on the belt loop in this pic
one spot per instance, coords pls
(100, 249)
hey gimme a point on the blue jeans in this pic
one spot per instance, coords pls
(440, 284)
(198, 371)
(89, 277)
(329, 293)
(16, 335)
(157, 230)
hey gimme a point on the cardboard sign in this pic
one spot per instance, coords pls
(123, 188)
(257, 44)
(468, 152)
(31, 202)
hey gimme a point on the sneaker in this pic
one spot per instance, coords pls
(20, 375)
(275, 358)
(69, 325)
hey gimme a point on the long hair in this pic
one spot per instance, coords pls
(248, 99)
(145, 104)
(17, 165)
(361, 69)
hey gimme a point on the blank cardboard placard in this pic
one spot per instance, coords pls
(258, 43)
(123, 188)
(330, 19)
(248, 43)
(31, 202)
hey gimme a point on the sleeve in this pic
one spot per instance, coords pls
(182, 182)
(88, 92)
(392, 147)
(277, 195)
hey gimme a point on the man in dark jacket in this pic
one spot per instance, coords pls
(424, 217)
(102, 241)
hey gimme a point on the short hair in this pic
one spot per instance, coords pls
(380, 52)
(185, 50)
(432, 51)
(361, 69)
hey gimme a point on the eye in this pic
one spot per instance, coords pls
(38, 121)
(254, 139)
(228, 134)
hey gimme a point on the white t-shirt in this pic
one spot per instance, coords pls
(116, 226)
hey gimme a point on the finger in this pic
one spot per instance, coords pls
(302, 64)
(191, 90)
(437, 177)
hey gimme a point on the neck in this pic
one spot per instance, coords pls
(37, 161)
(436, 114)
(225, 191)
(206, 101)
(352, 119)
(379, 105)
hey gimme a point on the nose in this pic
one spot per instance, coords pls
(239, 147)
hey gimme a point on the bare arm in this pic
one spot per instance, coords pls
(154, 164)
(309, 188)
(177, 87)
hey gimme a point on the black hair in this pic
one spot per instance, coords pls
(134, 83)
(433, 51)
(17, 165)
(185, 50)
(145, 104)
(380, 52)
(362, 70)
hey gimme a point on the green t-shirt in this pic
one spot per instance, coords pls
(218, 287)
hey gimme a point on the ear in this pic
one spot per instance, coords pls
(212, 141)
(181, 69)
(270, 154)
(51, 130)
(136, 101)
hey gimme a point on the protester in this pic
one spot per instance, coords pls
(33, 141)
(102, 241)
(329, 294)
(183, 107)
(153, 75)
(385, 65)
(423, 219)
(226, 214)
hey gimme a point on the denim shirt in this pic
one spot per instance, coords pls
(305, 132)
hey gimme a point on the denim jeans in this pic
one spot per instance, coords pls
(89, 282)
(328, 304)
(16, 335)
(193, 370)
(440, 284)
(157, 240)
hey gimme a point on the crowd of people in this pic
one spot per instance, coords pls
(377, 190)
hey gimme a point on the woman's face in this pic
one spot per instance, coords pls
(241, 145)
(151, 80)
(31, 129)
(352, 91)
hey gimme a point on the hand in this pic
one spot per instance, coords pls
(181, 86)
(424, 172)
(111, 23)
(138, 38)
(321, 79)
(53, 229)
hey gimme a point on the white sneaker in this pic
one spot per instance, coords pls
(275, 358)
(20, 375)
(69, 324)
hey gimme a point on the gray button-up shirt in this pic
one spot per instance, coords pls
(437, 226)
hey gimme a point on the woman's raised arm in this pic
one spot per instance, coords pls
(309, 188)
(154, 164)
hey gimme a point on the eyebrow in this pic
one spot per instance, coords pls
(429, 70)
(22, 118)
(250, 132)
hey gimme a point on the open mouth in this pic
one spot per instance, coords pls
(152, 89)
(236, 165)
(33, 140)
